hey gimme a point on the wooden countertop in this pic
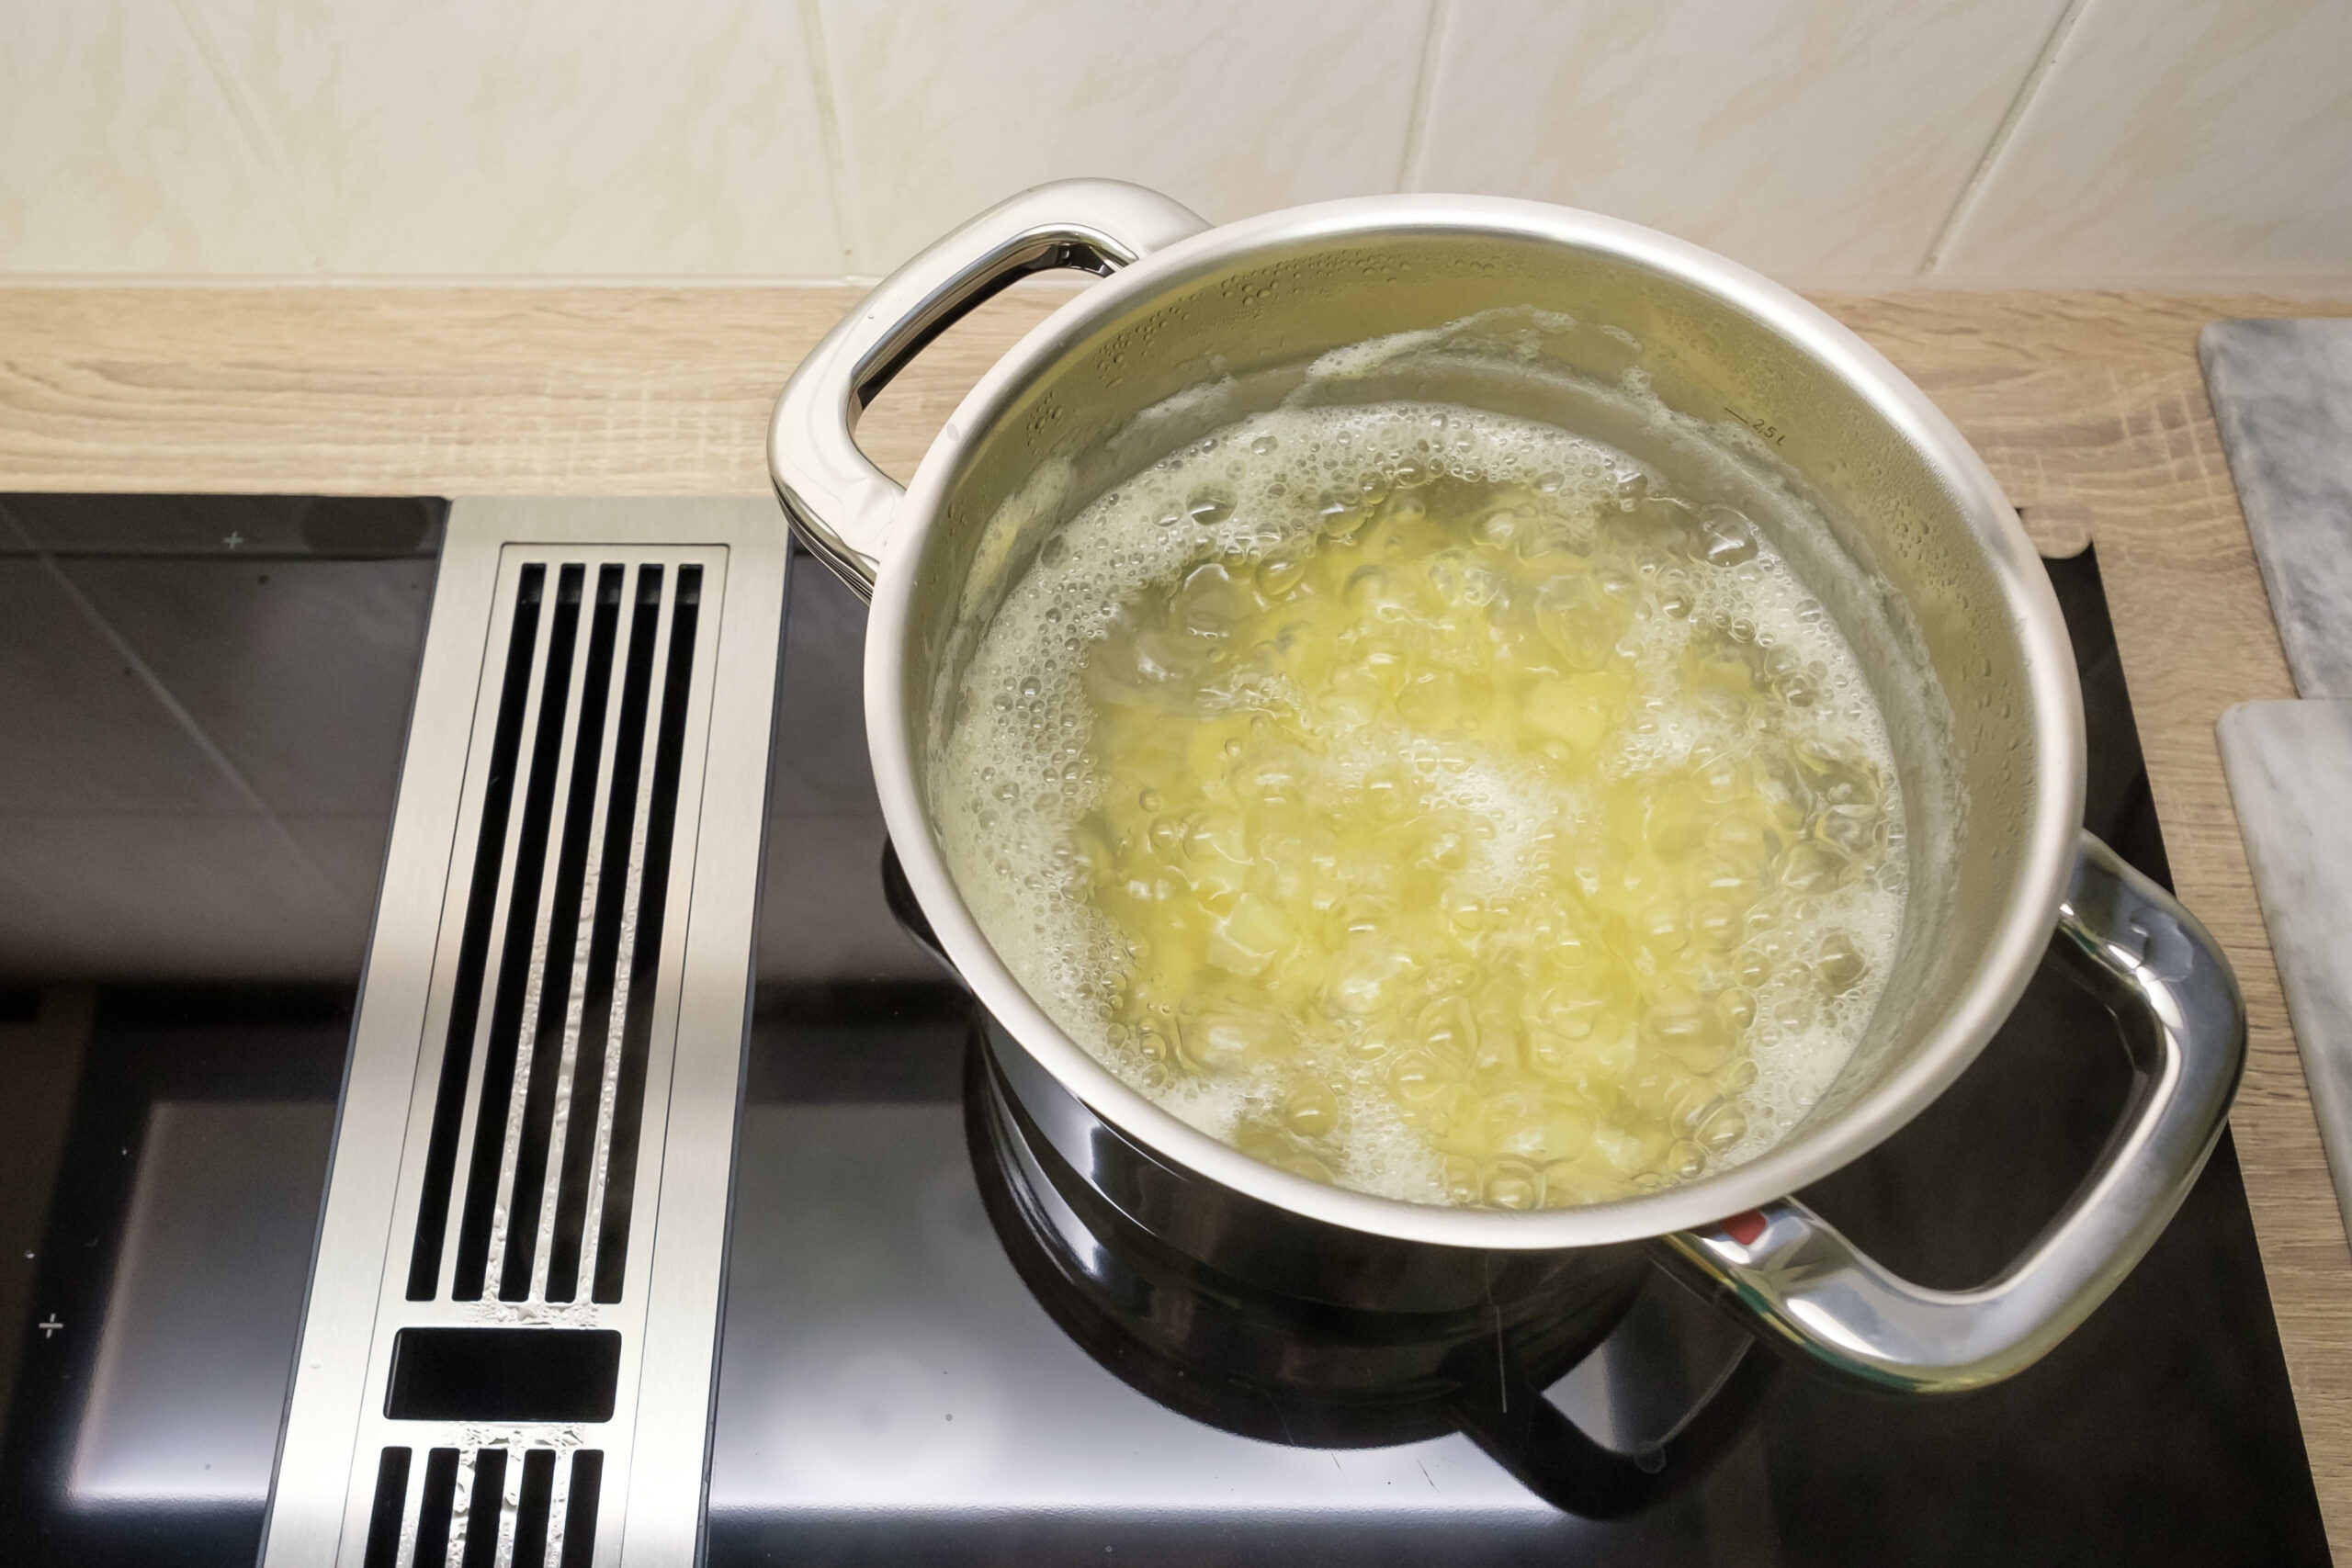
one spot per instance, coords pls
(2089, 408)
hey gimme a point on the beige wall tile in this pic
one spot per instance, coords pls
(1818, 139)
(591, 137)
(1814, 138)
(120, 153)
(2177, 137)
(1232, 106)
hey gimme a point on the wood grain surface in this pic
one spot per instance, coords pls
(2089, 408)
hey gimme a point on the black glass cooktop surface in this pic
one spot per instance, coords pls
(202, 705)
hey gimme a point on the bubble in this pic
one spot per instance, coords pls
(1312, 1111)
(1513, 1184)
(1841, 965)
(1209, 508)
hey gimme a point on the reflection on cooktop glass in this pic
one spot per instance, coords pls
(930, 1354)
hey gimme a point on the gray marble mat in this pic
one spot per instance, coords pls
(2290, 766)
(2283, 395)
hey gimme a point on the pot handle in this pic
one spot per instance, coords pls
(840, 503)
(2185, 1028)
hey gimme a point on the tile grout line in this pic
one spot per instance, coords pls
(1964, 203)
(186, 721)
(1434, 31)
(264, 150)
(829, 132)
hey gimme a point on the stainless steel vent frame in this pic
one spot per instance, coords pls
(654, 1448)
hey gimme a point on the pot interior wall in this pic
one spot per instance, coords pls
(1748, 416)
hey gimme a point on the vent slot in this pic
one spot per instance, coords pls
(579, 1546)
(384, 1519)
(486, 1508)
(480, 1507)
(435, 1508)
(503, 1374)
(548, 1092)
(533, 1506)
(473, 952)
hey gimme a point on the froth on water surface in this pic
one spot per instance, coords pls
(1425, 801)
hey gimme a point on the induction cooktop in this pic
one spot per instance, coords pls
(907, 1356)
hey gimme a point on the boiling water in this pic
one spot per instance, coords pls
(1422, 800)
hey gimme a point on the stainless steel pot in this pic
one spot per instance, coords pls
(1920, 559)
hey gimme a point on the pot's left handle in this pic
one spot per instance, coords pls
(840, 503)
(2167, 982)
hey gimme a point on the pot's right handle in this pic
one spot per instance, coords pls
(840, 503)
(1788, 1267)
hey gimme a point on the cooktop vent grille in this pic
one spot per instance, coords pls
(510, 1343)
(562, 937)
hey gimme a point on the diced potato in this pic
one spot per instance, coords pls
(1249, 938)
(1580, 710)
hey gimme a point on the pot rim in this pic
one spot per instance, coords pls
(2009, 958)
